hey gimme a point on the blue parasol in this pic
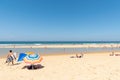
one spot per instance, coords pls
(21, 57)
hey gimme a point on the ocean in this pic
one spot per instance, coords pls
(4, 51)
(56, 42)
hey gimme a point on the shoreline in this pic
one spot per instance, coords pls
(63, 46)
(61, 49)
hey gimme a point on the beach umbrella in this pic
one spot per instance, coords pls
(21, 57)
(28, 53)
(33, 59)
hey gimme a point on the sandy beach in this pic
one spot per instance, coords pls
(93, 66)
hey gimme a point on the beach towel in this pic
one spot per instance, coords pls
(9, 59)
(14, 56)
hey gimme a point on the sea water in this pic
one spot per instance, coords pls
(4, 51)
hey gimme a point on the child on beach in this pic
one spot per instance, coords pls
(10, 57)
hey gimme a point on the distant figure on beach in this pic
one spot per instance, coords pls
(79, 56)
(10, 57)
(112, 54)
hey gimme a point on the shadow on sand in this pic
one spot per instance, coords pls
(33, 67)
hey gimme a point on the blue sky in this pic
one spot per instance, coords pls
(59, 20)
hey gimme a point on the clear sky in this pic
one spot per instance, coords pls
(60, 20)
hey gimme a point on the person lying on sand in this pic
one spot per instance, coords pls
(79, 56)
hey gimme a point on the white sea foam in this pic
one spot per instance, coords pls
(38, 44)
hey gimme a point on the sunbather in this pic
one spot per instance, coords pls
(79, 56)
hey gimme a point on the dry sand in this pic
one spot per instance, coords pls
(95, 66)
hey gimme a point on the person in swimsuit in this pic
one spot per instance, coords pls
(10, 57)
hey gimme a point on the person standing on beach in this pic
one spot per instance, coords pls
(10, 57)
